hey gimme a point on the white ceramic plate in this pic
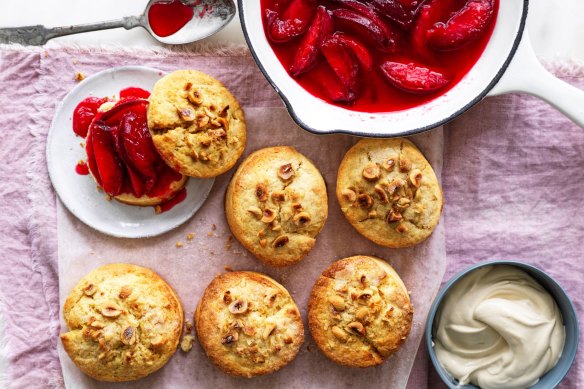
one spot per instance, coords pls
(79, 193)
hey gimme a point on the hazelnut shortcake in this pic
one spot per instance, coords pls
(197, 125)
(124, 323)
(248, 324)
(389, 192)
(359, 311)
(276, 204)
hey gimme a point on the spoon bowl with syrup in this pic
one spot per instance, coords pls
(172, 22)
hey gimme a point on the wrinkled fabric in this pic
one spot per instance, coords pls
(512, 179)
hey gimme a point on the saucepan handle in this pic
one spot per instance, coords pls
(525, 74)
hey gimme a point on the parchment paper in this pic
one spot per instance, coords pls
(190, 268)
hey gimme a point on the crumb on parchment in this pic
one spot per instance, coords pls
(79, 76)
(190, 236)
(187, 343)
(179, 244)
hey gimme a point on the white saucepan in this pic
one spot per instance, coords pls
(508, 64)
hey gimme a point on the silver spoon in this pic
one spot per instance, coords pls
(209, 17)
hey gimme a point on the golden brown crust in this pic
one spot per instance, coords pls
(124, 323)
(276, 204)
(197, 125)
(248, 324)
(359, 312)
(389, 192)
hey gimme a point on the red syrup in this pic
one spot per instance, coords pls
(168, 205)
(168, 17)
(134, 92)
(81, 168)
(375, 92)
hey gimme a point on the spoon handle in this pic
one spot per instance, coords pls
(39, 35)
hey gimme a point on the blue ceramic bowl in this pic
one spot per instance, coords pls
(553, 377)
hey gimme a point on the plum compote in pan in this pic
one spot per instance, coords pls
(378, 55)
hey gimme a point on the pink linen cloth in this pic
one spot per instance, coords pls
(512, 179)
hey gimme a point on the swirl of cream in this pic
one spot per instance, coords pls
(498, 328)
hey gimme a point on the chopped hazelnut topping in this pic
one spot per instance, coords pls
(365, 201)
(255, 211)
(268, 330)
(280, 241)
(129, 336)
(372, 214)
(220, 123)
(337, 302)
(357, 327)
(202, 120)
(285, 172)
(90, 290)
(111, 311)
(209, 113)
(401, 228)
(125, 292)
(195, 97)
(405, 165)
(349, 195)
(203, 156)
(186, 114)
(371, 172)
(219, 133)
(263, 242)
(227, 297)
(249, 330)
(301, 219)
(194, 154)
(389, 164)
(230, 338)
(98, 324)
(361, 313)
(297, 207)
(238, 306)
(403, 202)
(223, 112)
(339, 333)
(393, 216)
(416, 177)
(268, 215)
(365, 295)
(381, 194)
(261, 192)
(279, 196)
(206, 142)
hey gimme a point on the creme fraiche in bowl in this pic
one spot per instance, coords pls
(501, 325)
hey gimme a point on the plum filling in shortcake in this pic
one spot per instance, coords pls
(120, 154)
